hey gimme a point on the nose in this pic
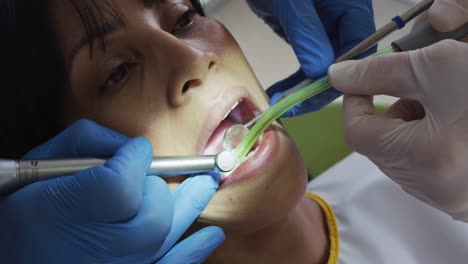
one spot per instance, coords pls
(190, 71)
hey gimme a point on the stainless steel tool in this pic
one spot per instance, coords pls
(15, 174)
(396, 23)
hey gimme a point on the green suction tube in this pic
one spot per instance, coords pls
(283, 105)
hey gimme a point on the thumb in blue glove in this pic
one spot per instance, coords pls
(317, 31)
(110, 213)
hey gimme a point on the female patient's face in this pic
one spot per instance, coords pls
(171, 75)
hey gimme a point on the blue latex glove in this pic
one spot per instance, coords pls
(106, 214)
(317, 31)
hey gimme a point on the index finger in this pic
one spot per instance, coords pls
(82, 138)
(390, 74)
(114, 191)
(347, 22)
(308, 37)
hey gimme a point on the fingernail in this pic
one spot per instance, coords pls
(337, 68)
(339, 72)
(441, 21)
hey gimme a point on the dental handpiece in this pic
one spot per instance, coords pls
(15, 174)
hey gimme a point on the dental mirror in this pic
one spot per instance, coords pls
(234, 135)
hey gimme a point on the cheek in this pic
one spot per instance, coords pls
(168, 131)
(173, 134)
(129, 118)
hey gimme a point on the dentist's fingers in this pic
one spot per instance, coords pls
(447, 15)
(190, 198)
(112, 192)
(341, 18)
(308, 37)
(410, 75)
(298, 23)
(354, 15)
(82, 138)
(390, 74)
(142, 235)
(407, 110)
(364, 131)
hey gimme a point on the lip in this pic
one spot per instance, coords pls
(214, 118)
(256, 164)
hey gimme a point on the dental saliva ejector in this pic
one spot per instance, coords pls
(15, 174)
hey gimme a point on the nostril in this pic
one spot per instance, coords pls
(185, 88)
(190, 84)
(212, 64)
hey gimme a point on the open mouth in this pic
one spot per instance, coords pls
(241, 112)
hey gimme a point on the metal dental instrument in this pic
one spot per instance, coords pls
(15, 174)
(397, 22)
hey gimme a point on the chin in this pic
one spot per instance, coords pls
(261, 190)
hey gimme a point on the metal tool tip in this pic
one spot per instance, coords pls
(226, 161)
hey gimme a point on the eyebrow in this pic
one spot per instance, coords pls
(101, 31)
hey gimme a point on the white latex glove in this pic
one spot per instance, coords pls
(421, 141)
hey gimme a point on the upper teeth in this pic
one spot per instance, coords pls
(230, 110)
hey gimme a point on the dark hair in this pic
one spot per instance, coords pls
(33, 77)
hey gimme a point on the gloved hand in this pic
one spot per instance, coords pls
(421, 141)
(106, 214)
(317, 31)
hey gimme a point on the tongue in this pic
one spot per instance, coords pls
(215, 143)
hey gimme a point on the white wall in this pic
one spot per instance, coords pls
(270, 57)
